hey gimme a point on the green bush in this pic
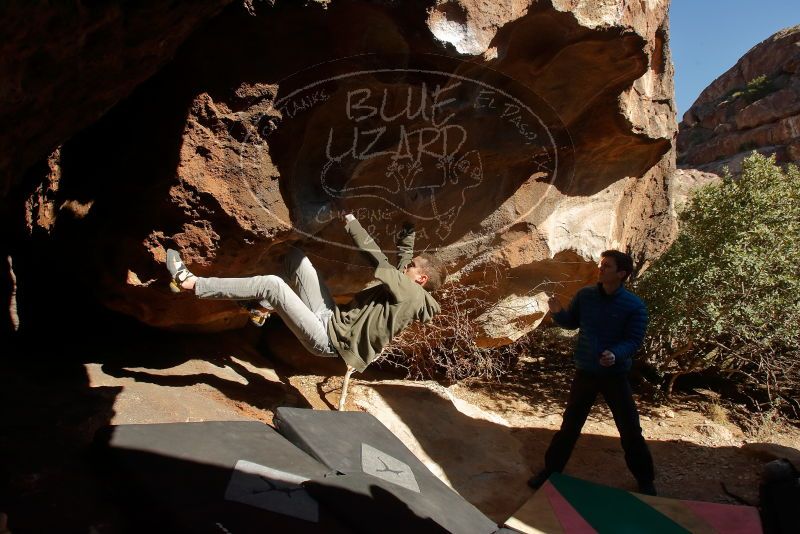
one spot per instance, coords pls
(725, 297)
(756, 89)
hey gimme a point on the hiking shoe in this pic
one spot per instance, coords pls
(539, 478)
(177, 270)
(647, 488)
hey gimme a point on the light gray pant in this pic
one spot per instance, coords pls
(306, 311)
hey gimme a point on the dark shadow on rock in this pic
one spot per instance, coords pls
(167, 350)
(51, 410)
(281, 345)
(49, 417)
(114, 176)
(323, 394)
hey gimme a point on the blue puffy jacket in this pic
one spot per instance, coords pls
(615, 322)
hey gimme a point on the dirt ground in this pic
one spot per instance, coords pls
(483, 439)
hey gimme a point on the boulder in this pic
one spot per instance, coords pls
(683, 182)
(521, 140)
(64, 64)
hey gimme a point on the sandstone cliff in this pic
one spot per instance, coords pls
(273, 120)
(755, 105)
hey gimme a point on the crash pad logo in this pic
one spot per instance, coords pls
(386, 467)
(421, 140)
(271, 489)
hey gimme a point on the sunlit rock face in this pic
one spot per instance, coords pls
(521, 140)
(755, 105)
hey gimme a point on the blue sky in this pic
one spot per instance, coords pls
(707, 37)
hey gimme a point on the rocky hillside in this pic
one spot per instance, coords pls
(755, 105)
(522, 139)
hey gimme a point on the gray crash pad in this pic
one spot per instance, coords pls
(235, 476)
(373, 464)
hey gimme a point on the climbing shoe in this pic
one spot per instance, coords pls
(177, 271)
(258, 315)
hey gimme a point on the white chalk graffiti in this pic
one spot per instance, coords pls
(394, 144)
(418, 162)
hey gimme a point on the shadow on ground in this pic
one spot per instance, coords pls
(53, 404)
(489, 463)
(225, 363)
(56, 408)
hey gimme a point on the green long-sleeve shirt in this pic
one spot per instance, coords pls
(360, 329)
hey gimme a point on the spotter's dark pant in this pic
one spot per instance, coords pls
(617, 392)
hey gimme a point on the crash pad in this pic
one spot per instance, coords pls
(236, 476)
(567, 504)
(375, 467)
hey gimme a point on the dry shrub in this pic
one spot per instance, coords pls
(446, 346)
(762, 426)
(552, 342)
(716, 413)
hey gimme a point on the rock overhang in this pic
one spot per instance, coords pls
(233, 205)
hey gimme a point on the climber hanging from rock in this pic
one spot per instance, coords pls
(357, 331)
